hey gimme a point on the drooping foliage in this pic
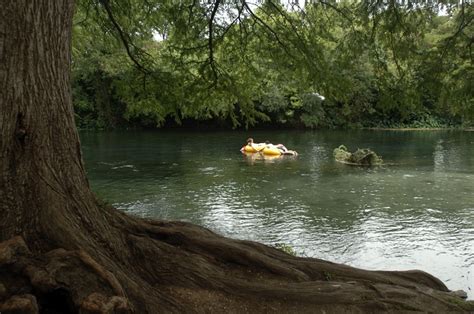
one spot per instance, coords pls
(236, 64)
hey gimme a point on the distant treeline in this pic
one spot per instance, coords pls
(231, 65)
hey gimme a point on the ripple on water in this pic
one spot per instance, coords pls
(123, 167)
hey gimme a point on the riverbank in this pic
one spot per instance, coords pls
(420, 129)
(222, 125)
(212, 274)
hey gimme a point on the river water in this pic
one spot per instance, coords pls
(416, 212)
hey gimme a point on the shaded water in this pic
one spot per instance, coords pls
(416, 212)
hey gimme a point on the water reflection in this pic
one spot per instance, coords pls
(416, 212)
(253, 158)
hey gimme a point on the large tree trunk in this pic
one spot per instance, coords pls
(96, 258)
(42, 173)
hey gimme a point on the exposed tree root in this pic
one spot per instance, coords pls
(176, 267)
(59, 281)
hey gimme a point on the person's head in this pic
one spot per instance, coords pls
(250, 141)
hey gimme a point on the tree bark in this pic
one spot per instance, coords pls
(60, 242)
(42, 173)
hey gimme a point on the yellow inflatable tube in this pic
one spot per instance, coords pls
(255, 148)
(271, 151)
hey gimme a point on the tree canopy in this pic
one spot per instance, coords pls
(251, 64)
(377, 63)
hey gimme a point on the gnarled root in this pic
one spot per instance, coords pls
(61, 281)
(180, 267)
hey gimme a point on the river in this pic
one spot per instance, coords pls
(416, 212)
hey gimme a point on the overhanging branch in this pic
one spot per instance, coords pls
(123, 37)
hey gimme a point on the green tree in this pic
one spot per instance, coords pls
(376, 63)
